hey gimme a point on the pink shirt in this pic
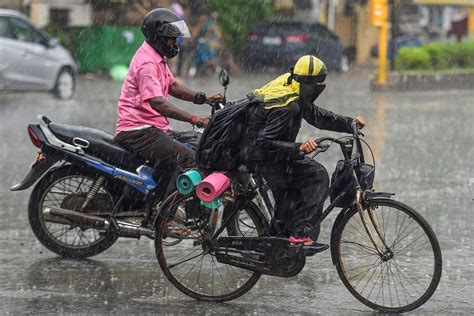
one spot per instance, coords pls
(148, 76)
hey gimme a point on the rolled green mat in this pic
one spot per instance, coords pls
(187, 181)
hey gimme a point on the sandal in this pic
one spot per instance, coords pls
(307, 241)
(306, 245)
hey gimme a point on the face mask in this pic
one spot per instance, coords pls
(310, 92)
(319, 89)
(171, 51)
(162, 47)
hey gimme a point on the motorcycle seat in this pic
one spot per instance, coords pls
(101, 145)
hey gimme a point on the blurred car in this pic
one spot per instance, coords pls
(402, 41)
(282, 43)
(29, 60)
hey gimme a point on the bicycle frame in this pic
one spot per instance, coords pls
(352, 158)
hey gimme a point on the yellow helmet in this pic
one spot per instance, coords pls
(309, 69)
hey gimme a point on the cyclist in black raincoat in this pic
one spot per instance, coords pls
(298, 183)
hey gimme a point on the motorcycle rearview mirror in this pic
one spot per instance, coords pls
(224, 78)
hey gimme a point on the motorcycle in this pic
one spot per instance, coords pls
(90, 191)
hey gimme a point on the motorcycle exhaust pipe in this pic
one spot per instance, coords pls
(68, 217)
(63, 216)
(55, 219)
(128, 230)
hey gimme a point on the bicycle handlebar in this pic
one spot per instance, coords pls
(340, 141)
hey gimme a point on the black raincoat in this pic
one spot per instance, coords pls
(298, 183)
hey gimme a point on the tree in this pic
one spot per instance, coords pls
(236, 19)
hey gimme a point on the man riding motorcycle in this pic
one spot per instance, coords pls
(298, 183)
(143, 107)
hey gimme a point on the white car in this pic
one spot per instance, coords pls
(29, 60)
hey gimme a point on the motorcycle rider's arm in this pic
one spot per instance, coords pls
(160, 105)
(167, 109)
(179, 91)
(327, 120)
(276, 128)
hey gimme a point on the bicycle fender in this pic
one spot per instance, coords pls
(368, 196)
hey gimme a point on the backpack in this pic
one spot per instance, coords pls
(218, 149)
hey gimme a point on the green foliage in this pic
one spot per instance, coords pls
(440, 56)
(462, 54)
(236, 18)
(65, 36)
(412, 58)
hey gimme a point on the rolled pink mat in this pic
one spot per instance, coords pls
(212, 187)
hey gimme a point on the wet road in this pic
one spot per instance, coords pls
(423, 146)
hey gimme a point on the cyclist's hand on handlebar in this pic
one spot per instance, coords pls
(199, 121)
(360, 121)
(308, 146)
(214, 98)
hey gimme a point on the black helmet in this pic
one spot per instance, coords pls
(161, 24)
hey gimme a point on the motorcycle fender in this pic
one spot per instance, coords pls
(37, 169)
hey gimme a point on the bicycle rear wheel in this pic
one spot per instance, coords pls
(190, 265)
(405, 275)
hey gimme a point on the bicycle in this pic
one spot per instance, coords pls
(385, 253)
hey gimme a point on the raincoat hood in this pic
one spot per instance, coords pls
(277, 93)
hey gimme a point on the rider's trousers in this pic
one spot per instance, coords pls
(299, 188)
(169, 156)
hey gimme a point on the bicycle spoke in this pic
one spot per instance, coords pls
(364, 234)
(371, 276)
(360, 258)
(185, 259)
(405, 291)
(410, 281)
(192, 268)
(220, 274)
(365, 247)
(412, 246)
(200, 269)
(404, 236)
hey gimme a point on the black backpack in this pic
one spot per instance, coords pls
(218, 149)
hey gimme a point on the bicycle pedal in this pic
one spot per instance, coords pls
(308, 250)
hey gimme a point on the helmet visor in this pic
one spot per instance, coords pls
(183, 28)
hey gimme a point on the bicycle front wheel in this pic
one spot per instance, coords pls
(406, 272)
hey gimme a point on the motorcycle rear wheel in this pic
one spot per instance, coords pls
(67, 187)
